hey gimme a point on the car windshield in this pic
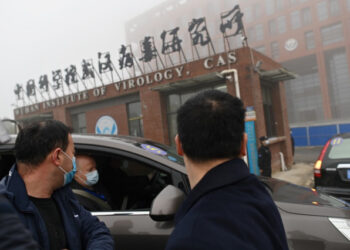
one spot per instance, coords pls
(340, 148)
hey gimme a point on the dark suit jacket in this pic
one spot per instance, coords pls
(228, 209)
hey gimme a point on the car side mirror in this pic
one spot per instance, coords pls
(166, 203)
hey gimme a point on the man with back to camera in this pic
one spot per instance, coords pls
(85, 185)
(228, 208)
(37, 187)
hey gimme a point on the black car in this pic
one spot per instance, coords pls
(332, 168)
(146, 182)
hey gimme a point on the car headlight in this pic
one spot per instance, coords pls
(343, 226)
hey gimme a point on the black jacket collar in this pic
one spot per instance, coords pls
(227, 173)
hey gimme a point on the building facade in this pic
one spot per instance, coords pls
(312, 39)
(143, 99)
(308, 37)
(146, 105)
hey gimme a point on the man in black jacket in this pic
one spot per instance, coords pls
(228, 208)
(264, 157)
(13, 234)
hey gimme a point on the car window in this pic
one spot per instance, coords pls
(340, 148)
(124, 183)
(7, 159)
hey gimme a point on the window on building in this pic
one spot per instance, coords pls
(310, 40)
(334, 7)
(79, 123)
(322, 11)
(259, 29)
(303, 94)
(274, 50)
(273, 27)
(135, 121)
(175, 100)
(281, 24)
(332, 34)
(251, 34)
(268, 110)
(261, 49)
(248, 14)
(293, 2)
(295, 19)
(338, 75)
(270, 7)
(306, 16)
(258, 10)
(279, 4)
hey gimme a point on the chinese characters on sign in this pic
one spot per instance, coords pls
(232, 20)
(126, 59)
(232, 25)
(104, 62)
(171, 43)
(30, 88)
(88, 70)
(148, 49)
(198, 31)
(44, 83)
(18, 91)
(71, 75)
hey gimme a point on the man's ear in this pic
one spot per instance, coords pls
(243, 151)
(55, 157)
(178, 146)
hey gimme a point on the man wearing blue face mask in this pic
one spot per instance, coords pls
(37, 187)
(89, 192)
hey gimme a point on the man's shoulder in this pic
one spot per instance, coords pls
(241, 197)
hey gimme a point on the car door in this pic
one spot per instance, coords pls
(132, 182)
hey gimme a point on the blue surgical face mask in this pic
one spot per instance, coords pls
(68, 176)
(91, 178)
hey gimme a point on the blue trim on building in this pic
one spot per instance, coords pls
(317, 135)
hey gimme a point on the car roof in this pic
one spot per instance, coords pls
(343, 135)
(135, 145)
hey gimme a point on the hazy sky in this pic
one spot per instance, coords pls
(38, 36)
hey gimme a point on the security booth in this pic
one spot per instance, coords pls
(146, 105)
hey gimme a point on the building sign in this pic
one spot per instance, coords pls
(106, 125)
(291, 44)
(62, 86)
(209, 63)
(252, 150)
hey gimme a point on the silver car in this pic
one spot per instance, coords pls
(145, 182)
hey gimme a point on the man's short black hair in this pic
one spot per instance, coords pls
(211, 126)
(36, 141)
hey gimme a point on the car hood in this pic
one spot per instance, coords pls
(314, 210)
(297, 199)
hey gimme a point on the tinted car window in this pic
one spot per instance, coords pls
(340, 148)
(126, 183)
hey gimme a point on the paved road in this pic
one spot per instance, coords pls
(306, 154)
(301, 173)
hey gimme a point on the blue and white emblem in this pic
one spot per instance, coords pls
(106, 125)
